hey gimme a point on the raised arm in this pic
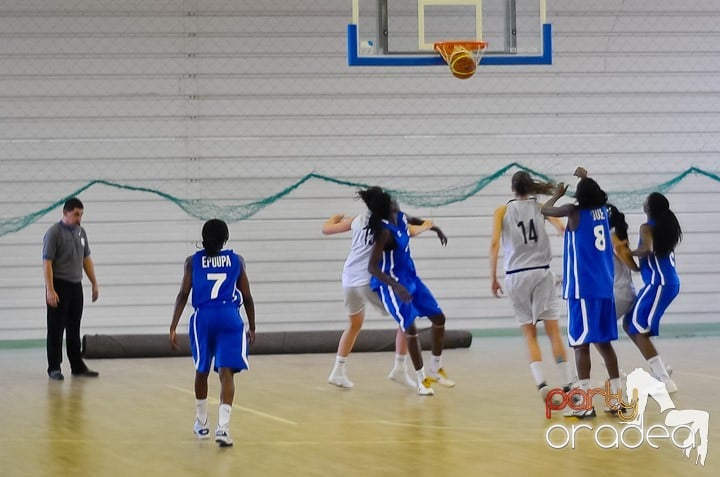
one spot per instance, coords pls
(495, 250)
(337, 224)
(580, 172)
(549, 210)
(417, 226)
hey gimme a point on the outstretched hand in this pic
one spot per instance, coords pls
(580, 172)
(441, 236)
(560, 190)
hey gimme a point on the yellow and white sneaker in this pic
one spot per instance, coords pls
(441, 377)
(425, 387)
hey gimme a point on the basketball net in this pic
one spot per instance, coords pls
(461, 56)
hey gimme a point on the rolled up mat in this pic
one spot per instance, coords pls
(281, 342)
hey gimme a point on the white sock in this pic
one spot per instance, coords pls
(566, 372)
(224, 415)
(435, 363)
(537, 372)
(614, 385)
(340, 363)
(400, 360)
(584, 384)
(657, 367)
(201, 410)
(420, 373)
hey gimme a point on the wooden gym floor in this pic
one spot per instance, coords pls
(136, 419)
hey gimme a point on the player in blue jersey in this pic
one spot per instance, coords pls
(356, 286)
(658, 238)
(588, 279)
(403, 294)
(219, 285)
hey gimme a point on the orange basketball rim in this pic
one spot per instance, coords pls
(461, 56)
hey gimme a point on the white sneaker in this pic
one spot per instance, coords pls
(201, 430)
(222, 437)
(425, 387)
(669, 384)
(339, 379)
(580, 413)
(441, 377)
(545, 390)
(400, 376)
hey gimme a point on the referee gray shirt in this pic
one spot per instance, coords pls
(66, 246)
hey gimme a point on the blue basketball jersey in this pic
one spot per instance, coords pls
(397, 262)
(588, 257)
(656, 270)
(214, 279)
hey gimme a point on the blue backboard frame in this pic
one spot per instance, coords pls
(354, 58)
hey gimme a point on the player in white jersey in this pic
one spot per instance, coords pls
(520, 227)
(624, 263)
(355, 282)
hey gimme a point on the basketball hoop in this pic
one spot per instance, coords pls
(461, 56)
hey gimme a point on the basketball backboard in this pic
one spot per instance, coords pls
(402, 32)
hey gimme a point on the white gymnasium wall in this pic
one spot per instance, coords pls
(230, 102)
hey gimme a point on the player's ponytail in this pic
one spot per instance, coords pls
(214, 235)
(666, 231)
(523, 184)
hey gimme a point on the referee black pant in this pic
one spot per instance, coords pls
(65, 318)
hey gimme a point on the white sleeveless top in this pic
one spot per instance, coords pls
(525, 241)
(355, 272)
(622, 282)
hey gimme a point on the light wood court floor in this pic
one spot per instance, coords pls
(136, 419)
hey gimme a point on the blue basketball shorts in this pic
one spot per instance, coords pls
(651, 303)
(423, 303)
(217, 334)
(591, 320)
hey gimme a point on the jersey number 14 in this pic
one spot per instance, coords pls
(530, 233)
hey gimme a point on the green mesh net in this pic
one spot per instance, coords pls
(627, 200)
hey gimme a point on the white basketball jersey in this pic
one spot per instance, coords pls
(623, 282)
(355, 272)
(524, 239)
